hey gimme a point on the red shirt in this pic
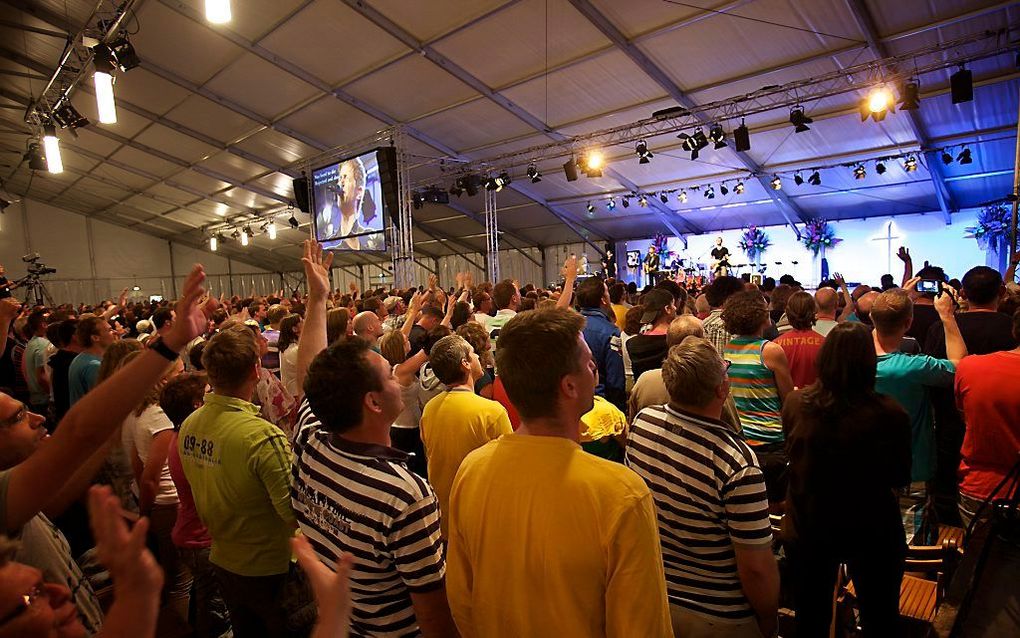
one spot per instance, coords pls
(189, 531)
(499, 394)
(802, 348)
(986, 393)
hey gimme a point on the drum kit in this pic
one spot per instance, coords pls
(687, 270)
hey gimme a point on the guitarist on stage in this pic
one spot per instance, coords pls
(652, 265)
(720, 259)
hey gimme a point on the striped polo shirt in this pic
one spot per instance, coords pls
(754, 390)
(709, 495)
(361, 498)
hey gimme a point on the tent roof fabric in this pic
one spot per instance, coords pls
(217, 120)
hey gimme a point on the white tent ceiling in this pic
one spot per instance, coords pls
(217, 119)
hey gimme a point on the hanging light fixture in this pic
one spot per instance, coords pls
(642, 201)
(880, 168)
(947, 158)
(533, 173)
(963, 158)
(815, 179)
(776, 183)
(739, 188)
(710, 192)
(218, 11)
(611, 204)
(644, 155)
(797, 179)
(244, 237)
(590, 207)
(860, 172)
(104, 63)
(682, 196)
(879, 102)
(213, 243)
(271, 229)
(663, 197)
(54, 163)
(910, 165)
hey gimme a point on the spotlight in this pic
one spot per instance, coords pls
(493, 184)
(104, 63)
(471, 184)
(213, 242)
(947, 159)
(910, 96)
(51, 144)
(709, 192)
(611, 205)
(127, 57)
(699, 139)
(417, 201)
(591, 207)
(533, 173)
(717, 135)
(797, 179)
(570, 169)
(799, 120)
(682, 197)
(235, 234)
(504, 178)
(663, 197)
(860, 172)
(723, 190)
(68, 117)
(456, 189)
(248, 231)
(626, 202)
(593, 163)
(35, 158)
(742, 138)
(244, 237)
(880, 168)
(776, 183)
(877, 104)
(961, 85)
(739, 188)
(217, 11)
(644, 155)
(293, 221)
(815, 179)
(910, 165)
(642, 201)
(271, 229)
(964, 157)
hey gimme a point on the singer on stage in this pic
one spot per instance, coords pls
(652, 265)
(720, 259)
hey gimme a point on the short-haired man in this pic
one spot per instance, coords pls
(722, 575)
(721, 289)
(802, 343)
(368, 327)
(585, 557)
(648, 349)
(60, 363)
(94, 335)
(376, 305)
(238, 466)
(431, 317)
(163, 320)
(456, 422)
(483, 307)
(507, 299)
(271, 359)
(826, 301)
(34, 362)
(353, 492)
(603, 338)
(650, 389)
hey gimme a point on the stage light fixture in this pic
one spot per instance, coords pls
(815, 179)
(776, 183)
(54, 163)
(663, 197)
(236, 234)
(723, 190)
(739, 188)
(686, 142)
(217, 11)
(293, 221)
(213, 243)
(964, 156)
(742, 138)
(880, 168)
(271, 229)
(594, 160)
(947, 158)
(910, 96)
(417, 201)
(910, 165)
(797, 179)
(682, 197)
(590, 207)
(961, 85)
(493, 184)
(244, 238)
(626, 202)
(35, 158)
(504, 178)
(878, 103)
(570, 169)
(105, 63)
(710, 192)
(700, 139)
(471, 184)
(642, 201)
(799, 120)
(718, 136)
(611, 205)
(860, 172)
(456, 189)
(644, 155)
(124, 52)
(67, 116)
(533, 174)
(248, 231)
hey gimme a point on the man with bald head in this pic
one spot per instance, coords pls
(368, 326)
(826, 300)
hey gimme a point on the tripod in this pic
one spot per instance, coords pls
(35, 290)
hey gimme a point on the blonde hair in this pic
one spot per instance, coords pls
(391, 347)
(692, 371)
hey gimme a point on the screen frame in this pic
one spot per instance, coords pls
(314, 214)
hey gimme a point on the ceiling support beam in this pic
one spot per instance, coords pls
(470, 214)
(867, 26)
(444, 239)
(790, 211)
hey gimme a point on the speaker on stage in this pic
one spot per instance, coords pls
(301, 194)
(387, 157)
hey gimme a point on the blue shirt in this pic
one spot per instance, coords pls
(82, 375)
(906, 378)
(603, 338)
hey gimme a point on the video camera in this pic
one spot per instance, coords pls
(36, 268)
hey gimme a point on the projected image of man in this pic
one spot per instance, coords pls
(341, 215)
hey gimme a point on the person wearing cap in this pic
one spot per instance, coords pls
(648, 349)
(603, 338)
(395, 310)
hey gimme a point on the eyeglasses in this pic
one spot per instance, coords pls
(15, 418)
(29, 598)
(726, 365)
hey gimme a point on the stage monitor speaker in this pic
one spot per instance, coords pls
(387, 157)
(301, 194)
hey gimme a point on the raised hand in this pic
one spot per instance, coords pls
(332, 588)
(569, 270)
(433, 282)
(10, 308)
(911, 283)
(945, 301)
(191, 320)
(316, 266)
(122, 299)
(904, 254)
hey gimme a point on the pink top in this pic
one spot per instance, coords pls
(189, 531)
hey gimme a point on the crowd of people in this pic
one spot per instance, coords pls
(495, 460)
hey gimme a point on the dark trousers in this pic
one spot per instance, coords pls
(409, 440)
(255, 603)
(774, 466)
(876, 569)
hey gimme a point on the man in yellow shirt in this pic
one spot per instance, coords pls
(545, 539)
(458, 421)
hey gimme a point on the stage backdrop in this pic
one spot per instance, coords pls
(864, 255)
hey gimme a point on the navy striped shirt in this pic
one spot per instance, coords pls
(709, 495)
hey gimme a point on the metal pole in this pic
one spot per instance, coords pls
(1016, 194)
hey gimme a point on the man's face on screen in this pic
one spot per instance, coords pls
(350, 193)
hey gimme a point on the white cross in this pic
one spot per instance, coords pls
(887, 238)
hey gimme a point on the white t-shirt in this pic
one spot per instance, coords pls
(137, 434)
(288, 369)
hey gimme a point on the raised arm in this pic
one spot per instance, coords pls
(112, 311)
(9, 309)
(313, 335)
(848, 309)
(945, 303)
(569, 273)
(908, 264)
(93, 419)
(413, 308)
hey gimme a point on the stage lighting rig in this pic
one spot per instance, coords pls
(776, 183)
(682, 197)
(493, 184)
(723, 190)
(626, 201)
(815, 179)
(68, 117)
(910, 96)
(739, 188)
(797, 179)
(570, 169)
(717, 135)
(947, 158)
(591, 208)
(860, 172)
(124, 52)
(910, 164)
(293, 221)
(504, 178)
(878, 103)
(742, 138)
(880, 168)
(213, 242)
(799, 120)
(709, 192)
(35, 158)
(644, 155)
(611, 205)
(964, 156)
(105, 63)
(51, 144)
(642, 201)
(663, 197)
(961, 85)
(533, 174)
(593, 162)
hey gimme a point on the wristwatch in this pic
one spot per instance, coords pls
(157, 346)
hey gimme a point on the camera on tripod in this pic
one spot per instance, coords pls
(36, 268)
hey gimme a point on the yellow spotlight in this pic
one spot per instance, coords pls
(595, 160)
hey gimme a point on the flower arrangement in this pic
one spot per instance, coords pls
(818, 234)
(992, 226)
(754, 241)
